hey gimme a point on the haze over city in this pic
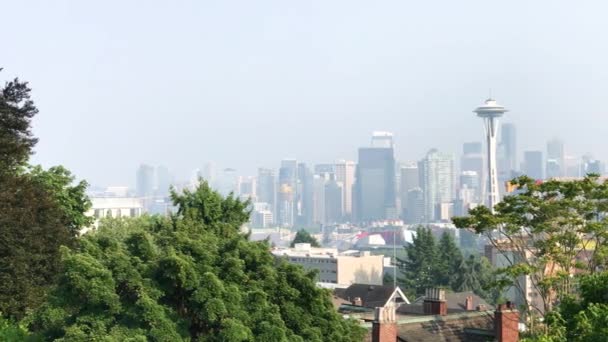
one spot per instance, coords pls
(246, 84)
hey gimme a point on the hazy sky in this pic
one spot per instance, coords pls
(247, 83)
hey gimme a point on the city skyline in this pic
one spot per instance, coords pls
(309, 80)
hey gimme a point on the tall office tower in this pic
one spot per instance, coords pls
(555, 158)
(470, 180)
(553, 168)
(409, 180)
(507, 148)
(345, 174)
(285, 206)
(210, 173)
(490, 111)
(375, 179)
(266, 188)
(247, 187)
(304, 196)
(288, 175)
(414, 212)
(144, 181)
(437, 182)
(333, 201)
(227, 181)
(324, 168)
(319, 183)
(533, 164)
(572, 166)
(472, 160)
(163, 181)
(467, 193)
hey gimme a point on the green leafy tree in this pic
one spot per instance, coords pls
(31, 231)
(581, 317)
(303, 236)
(191, 276)
(545, 232)
(70, 197)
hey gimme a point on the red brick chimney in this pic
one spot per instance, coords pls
(506, 323)
(468, 303)
(434, 302)
(384, 327)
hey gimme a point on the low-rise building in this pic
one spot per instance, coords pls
(113, 207)
(337, 268)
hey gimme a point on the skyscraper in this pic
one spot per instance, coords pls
(490, 111)
(285, 206)
(375, 179)
(319, 183)
(288, 182)
(410, 179)
(472, 160)
(414, 212)
(333, 201)
(266, 187)
(555, 158)
(533, 164)
(508, 151)
(345, 174)
(437, 182)
(304, 196)
(144, 180)
(163, 181)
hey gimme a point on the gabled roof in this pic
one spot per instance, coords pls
(371, 295)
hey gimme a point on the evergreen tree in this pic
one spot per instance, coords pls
(303, 236)
(16, 113)
(449, 260)
(419, 268)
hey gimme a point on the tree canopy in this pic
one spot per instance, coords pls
(303, 236)
(191, 276)
(40, 210)
(546, 232)
(430, 263)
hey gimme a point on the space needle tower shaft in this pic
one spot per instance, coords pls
(490, 112)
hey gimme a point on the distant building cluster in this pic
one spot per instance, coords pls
(376, 187)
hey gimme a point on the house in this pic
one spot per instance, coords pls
(370, 297)
(442, 318)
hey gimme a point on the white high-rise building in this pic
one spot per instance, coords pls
(490, 111)
(345, 174)
(436, 181)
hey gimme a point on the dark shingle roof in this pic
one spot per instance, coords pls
(472, 326)
(452, 328)
(455, 302)
(371, 295)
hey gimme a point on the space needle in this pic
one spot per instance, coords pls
(490, 111)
